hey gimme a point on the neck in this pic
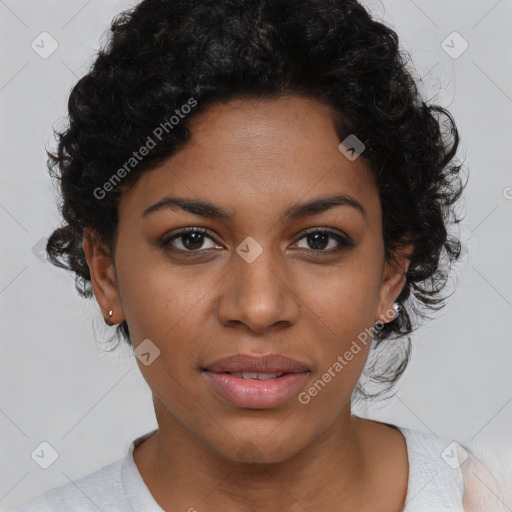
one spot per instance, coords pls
(183, 473)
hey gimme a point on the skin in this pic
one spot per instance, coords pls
(256, 158)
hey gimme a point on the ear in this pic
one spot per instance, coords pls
(103, 277)
(392, 283)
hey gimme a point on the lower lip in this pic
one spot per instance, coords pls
(255, 394)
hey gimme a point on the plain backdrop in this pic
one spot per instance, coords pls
(57, 383)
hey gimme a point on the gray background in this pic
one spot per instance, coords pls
(58, 384)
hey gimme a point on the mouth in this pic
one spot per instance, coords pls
(255, 382)
(256, 375)
(246, 364)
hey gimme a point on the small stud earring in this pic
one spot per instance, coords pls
(107, 320)
(397, 307)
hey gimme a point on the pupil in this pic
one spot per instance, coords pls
(316, 237)
(198, 240)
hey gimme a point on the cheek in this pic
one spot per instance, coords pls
(345, 299)
(341, 354)
(344, 306)
(159, 299)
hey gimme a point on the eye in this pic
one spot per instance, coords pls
(318, 240)
(191, 240)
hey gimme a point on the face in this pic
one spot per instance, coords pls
(260, 273)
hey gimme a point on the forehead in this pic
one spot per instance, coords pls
(254, 155)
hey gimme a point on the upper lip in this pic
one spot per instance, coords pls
(271, 363)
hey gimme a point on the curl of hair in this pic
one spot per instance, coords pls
(162, 53)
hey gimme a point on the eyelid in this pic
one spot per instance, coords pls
(176, 233)
(330, 231)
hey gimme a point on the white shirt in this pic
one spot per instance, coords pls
(438, 471)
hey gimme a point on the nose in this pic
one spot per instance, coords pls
(259, 295)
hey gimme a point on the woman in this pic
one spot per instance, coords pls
(259, 199)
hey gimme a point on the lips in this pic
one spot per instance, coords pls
(271, 363)
(255, 382)
(255, 375)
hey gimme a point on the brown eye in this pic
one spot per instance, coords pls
(191, 240)
(320, 240)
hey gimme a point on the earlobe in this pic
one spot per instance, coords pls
(392, 284)
(103, 278)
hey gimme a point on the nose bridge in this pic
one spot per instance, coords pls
(258, 294)
(259, 276)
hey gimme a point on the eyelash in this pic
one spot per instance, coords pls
(344, 242)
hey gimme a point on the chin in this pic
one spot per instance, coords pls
(263, 449)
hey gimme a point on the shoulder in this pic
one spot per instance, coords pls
(435, 475)
(450, 475)
(101, 490)
(117, 487)
(487, 486)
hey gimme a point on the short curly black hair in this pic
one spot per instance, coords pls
(164, 54)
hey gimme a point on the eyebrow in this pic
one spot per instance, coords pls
(296, 211)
